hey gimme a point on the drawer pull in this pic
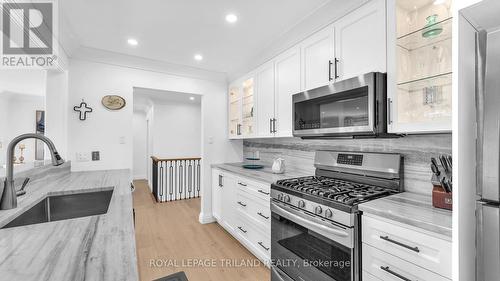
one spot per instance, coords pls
(262, 245)
(241, 204)
(241, 229)
(260, 214)
(386, 238)
(263, 192)
(242, 184)
(388, 270)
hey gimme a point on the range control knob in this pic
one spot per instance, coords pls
(301, 204)
(318, 210)
(328, 213)
(280, 197)
(286, 199)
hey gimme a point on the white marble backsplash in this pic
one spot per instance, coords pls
(417, 151)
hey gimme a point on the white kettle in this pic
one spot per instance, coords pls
(279, 166)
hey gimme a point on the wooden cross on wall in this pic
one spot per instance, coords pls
(83, 109)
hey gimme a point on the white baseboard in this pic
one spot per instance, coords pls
(204, 219)
(140, 177)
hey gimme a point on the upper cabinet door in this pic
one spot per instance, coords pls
(317, 58)
(360, 41)
(247, 127)
(287, 77)
(419, 80)
(265, 100)
(234, 110)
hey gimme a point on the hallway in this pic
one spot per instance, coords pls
(170, 239)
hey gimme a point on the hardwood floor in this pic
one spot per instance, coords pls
(169, 239)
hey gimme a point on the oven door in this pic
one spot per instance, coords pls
(307, 248)
(344, 108)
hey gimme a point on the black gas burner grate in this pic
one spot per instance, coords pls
(341, 191)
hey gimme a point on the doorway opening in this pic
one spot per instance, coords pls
(167, 143)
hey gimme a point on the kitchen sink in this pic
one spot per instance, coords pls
(63, 207)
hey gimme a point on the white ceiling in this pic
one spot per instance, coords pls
(174, 30)
(144, 98)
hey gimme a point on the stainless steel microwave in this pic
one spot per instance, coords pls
(353, 107)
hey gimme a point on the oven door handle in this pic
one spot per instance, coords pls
(307, 222)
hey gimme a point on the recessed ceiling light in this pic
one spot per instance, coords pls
(198, 57)
(132, 42)
(191, 98)
(231, 18)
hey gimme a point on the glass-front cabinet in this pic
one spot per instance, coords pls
(419, 87)
(241, 108)
(234, 110)
(247, 108)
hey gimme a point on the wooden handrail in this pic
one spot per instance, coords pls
(156, 159)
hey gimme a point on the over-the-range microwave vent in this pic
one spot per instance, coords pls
(352, 108)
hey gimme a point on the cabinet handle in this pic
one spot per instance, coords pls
(274, 125)
(238, 129)
(242, 230)
(386, 238)
(242, 184)
(260, 214)
(241, 204)
(263, 192)
(220, 181)
(330, 70)
(262, 245)
(388, 270)
(336, 70)
(389, 110)
(271, 125)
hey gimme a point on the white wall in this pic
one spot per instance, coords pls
(104, 129)
(19, 117)
(140, 146)
(177, 130)
(56, 115)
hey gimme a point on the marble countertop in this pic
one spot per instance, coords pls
(264, 175)
(412, 209)
(89, 248)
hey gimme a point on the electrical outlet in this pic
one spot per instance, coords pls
(82, 157)
(96, 156)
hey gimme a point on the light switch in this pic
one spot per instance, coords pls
(122, 140)
(210, 139)
(96, 156)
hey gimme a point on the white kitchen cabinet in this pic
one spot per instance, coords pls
(228, 202)
(264, 76)
(360, 41)
(241, 108)
(317, 58)
(404, 250)
(420, 66)
(287, 78)
(217, 185)
(245, 211)
(234, 110)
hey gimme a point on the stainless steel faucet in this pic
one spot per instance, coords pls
(9, 197)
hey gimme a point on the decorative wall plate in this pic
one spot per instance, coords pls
(113, 102)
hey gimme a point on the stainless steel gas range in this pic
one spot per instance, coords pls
(315, 227)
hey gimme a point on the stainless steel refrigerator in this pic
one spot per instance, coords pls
(488, 165)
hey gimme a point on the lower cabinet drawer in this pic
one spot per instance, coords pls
(256, 239)
(419, 248)
(368, 277)
(254, 207)
(387, 267)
